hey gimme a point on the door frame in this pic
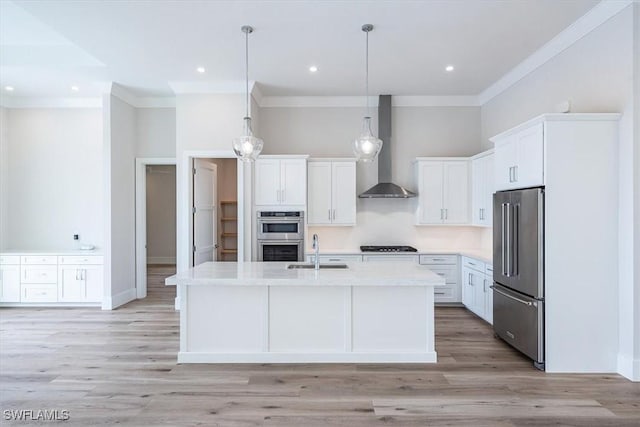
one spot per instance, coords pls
(141, 217)
(184, 253)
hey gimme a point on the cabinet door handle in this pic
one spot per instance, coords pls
(438, 293)
(470, 279)
(84, 274)
(334, 214)
(329, 213)
(77, 271)
(446, 214)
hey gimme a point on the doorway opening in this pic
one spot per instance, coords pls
(214, 210)
(155, 223)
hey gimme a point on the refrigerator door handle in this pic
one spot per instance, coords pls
(503, 234)
(527, 303)
(516, 239)
(508, 239)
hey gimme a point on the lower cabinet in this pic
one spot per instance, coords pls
(9, 283)
(477, 294)
(447, 267)
(51, 279)
(80, 283)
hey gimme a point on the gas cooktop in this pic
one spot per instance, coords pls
(388, 249)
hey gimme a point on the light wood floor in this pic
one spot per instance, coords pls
(119, 367)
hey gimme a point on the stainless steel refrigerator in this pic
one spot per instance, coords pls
(518, 270)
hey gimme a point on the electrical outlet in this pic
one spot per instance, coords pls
(76, 237)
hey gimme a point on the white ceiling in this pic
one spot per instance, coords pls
(48, 46)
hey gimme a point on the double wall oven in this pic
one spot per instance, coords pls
(280, 236)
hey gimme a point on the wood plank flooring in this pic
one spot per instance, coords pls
(119, 367)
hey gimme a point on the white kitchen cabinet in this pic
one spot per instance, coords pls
(443, 191)
(477, 295)
(335, 258)
(447, 267)
(280, 180)
(51, 279)
(80, 283)
(519, 158)
(331, 194)
(482, 188)
(391, 258)
(9, 283)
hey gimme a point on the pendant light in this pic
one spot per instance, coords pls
(367, 146)
(247, 147)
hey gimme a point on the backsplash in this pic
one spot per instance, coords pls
(390, 222)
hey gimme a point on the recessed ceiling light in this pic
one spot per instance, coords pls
(75, 88)
(200, 69)
(449, 68)
(8, 88)
(313, 68)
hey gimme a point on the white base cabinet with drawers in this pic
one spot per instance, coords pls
(51, 279)
(447, 267)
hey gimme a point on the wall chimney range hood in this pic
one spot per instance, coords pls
(385, 189)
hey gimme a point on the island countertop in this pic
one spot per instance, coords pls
(277, 274)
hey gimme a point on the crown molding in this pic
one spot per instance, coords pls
(317, 101)
(597, 16)
(44, 102)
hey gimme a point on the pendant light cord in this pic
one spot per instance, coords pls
(366, 60)
(246, 61)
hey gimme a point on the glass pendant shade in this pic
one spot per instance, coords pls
(366, 147)
(247, 147)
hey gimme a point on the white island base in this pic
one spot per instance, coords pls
(285, 316)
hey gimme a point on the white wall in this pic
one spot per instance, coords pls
(156, 132)
(416, 132)
(597, 75)
(161, 214)
(119, 158)
(204, 124)
(52, 178)
(4, 175)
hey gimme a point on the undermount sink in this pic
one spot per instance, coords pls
(312, 266)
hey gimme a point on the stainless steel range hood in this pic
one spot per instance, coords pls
(385, 189)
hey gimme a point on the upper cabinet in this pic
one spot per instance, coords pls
(331, 194)
(443, 191)
(281, 180)
(482, 188)
(519, 158)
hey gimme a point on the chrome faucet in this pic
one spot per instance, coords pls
(316, 248)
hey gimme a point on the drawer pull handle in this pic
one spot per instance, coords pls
(439, 293)
(334, 259)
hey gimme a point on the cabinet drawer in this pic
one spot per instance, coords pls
(39, 274)
(438, 259)
(40, 259)
(336, 258)
(390, 258)
(80, 260)
(445, 294)
(450, 273)
(9, 259)
(40, 293)
(473, 264)
(488, 270)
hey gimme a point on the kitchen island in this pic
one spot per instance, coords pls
(259, 312)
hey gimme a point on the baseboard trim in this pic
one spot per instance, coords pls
(115, 301)
(265, 357)
(161, 260)
(629, 367)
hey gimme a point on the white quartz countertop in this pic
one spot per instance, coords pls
(485, 255)
(277, 274)
(50, 252)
